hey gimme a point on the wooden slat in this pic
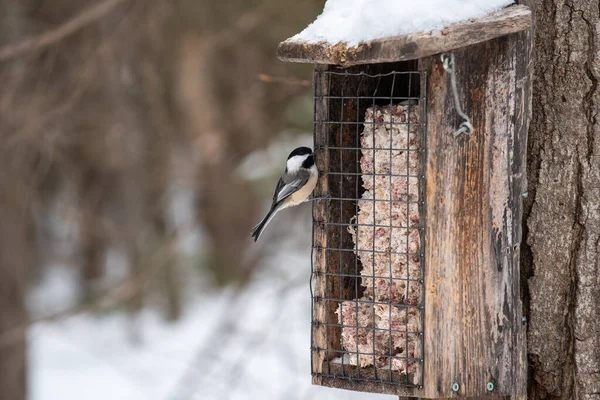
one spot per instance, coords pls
(319, 332)
(473, 330)
(518, 161)
(412, 46)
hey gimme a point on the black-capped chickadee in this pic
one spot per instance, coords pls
(294, 187)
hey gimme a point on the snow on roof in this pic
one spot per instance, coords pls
(354, 21)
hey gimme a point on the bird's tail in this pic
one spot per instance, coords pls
(257, 230)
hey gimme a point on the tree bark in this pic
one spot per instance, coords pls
(562, 211)
(16, 249)
(14, 257)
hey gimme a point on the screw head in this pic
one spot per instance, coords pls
(455, 387)
(490, 386)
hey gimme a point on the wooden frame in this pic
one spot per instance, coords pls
(412, 46)
(474, 343)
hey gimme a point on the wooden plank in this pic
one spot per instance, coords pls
(523, 90)
(319, 330)
(518, 161)
(412, 46)
(369, 387)
(473, 330)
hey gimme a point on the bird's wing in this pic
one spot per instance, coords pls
(287, 187)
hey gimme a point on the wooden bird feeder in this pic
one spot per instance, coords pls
(416, 250)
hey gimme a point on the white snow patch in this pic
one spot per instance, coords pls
(59, 290)
(264, 355)
(353, 21)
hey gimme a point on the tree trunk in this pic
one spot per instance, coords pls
(562, 211)
(16, 248)
(16, 245)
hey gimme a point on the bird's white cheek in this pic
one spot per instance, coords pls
(294, 163)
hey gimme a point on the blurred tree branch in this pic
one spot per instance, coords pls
(122, 292)
(286, 81)
(57, 34)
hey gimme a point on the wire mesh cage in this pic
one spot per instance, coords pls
(368, 254)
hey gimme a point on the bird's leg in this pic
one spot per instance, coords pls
(319, 199)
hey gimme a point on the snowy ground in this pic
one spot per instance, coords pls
(254, 346)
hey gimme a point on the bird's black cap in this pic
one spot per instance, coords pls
(300, 151)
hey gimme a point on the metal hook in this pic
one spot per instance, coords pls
(465, 126)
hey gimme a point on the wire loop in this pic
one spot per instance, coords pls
(465, 127)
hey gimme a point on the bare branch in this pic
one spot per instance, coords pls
(57, 34)
(119, 293)
(286, 81)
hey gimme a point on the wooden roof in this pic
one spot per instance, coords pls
(411, 46)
